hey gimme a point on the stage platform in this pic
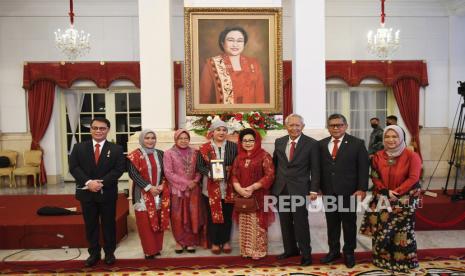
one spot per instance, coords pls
(440, 213)
(21, 227)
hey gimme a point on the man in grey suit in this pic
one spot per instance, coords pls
(297, 167)
(344, 177)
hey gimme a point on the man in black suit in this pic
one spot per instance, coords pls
(96, 166)
(297, 165)
(344, 177)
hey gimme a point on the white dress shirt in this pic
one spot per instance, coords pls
(331, 143)
(288, 145)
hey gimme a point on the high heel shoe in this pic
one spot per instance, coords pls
(178, 250)
(216, 251)
(227, 250)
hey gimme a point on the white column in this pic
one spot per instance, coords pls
(456, 62)
(308, 63)
(156, 66)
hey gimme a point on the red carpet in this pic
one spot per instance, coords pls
(21, 227)
(197, 263)
(440, 213)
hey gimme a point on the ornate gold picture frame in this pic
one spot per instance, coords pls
(233, 60)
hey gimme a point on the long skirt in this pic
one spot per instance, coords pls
(393, 237)
(219, 233)
(152, 242)
(183, 218)
(253, 239)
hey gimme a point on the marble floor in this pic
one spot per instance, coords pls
(130, 247)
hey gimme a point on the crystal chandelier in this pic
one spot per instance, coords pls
(383, 43)
(71, 42)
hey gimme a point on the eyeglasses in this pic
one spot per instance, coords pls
(336, 125)
(184, 138)
(94, 128)
(248, 141)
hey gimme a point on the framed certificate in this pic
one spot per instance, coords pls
(217, 169)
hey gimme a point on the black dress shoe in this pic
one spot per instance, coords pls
(306, 261)
(331, 256)
(286, 255)
(349, 260)
(92, 260)
(110, 259)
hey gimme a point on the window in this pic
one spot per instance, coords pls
(358, 105)
(121, 106)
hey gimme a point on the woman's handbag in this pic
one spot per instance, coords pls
(245, 204)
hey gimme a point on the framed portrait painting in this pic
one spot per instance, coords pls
(233, 60)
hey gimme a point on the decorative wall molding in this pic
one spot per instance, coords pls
(64, 74)
(353, 72)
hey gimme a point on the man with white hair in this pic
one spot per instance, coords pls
(296, 158)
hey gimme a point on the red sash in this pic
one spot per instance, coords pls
(137, 159)
(213, 187)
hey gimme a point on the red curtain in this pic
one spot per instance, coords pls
(40, 107)
(407, 94)
(287, 88)
(178, 84)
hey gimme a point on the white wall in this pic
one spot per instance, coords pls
(27, 34)
(457, 62)
(424, 36)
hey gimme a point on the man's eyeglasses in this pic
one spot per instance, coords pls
(248, 141)
(336, 125)
(94, 128)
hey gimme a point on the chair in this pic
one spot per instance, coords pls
(8, 171)
(32, 161)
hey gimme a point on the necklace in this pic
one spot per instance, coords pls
(391, 162)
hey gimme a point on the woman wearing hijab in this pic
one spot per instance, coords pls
(150, 193)
(214, 163)
(187, 215)
(252, 176)
(395, 175)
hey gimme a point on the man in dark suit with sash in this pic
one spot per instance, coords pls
(96, 166)
(344, 177)
(297, 167)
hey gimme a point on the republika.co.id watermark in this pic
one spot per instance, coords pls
(329, 203)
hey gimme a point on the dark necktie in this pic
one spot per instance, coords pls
(335, 148)
(97, 153)
(291, 151)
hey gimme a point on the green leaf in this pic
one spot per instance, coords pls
(261, 131)
(201, 132)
